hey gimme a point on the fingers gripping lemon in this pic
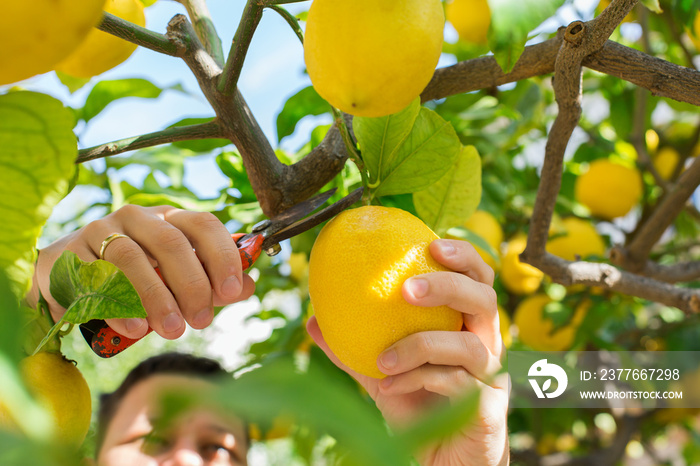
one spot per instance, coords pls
(36, 35)
(372, 58)
(357, 268)
(101, 51)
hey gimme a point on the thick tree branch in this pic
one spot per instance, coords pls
(137, 34)
(204, 27)
(177, 133)
(677, 273)
(239, 47)
(658, 76)
(581, 39)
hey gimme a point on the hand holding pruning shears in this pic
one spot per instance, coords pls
(181, 263)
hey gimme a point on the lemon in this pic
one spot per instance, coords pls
(535, 330)
(665, 162)
(57, 384)
(609, 189)
(36, 36)
(371, 58)
(487, 227)
(579, 240)
(470, 18)
(357, 268)
(505, 323)
(651, 138)
(518, 277)
(102, 51)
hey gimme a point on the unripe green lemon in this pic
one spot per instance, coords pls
(372, 58)
(358, 265)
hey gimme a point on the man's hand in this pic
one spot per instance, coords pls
(164, 237)
(427, 367)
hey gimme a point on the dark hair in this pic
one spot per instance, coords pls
(167, 363)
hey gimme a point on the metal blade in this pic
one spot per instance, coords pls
(312, 220)
(297, 212)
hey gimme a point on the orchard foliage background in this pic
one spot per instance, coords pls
(637, 111)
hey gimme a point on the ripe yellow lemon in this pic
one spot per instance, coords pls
(609, 189)
(487, 227)
(535, 330)
(358, 265)
(665, 161)
(518, 277)
(579, 240)
(371, 58)
(101, 51)
(471, 19)
(57, 384)
(37, 35)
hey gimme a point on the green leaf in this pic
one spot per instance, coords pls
(316, 398)
(407, 151)
(684, 11)
(198, 145)
(454, 197)
(71, 82)
(303, 103)
(37, 155)
(106, 92)
(511, 22)
(168, 160)
(653, 5)
(93, 290)
(231, 164)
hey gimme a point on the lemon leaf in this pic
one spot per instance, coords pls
(93, 290)
(380, 137)
(511, 22)
(408, 151)
(36, 164)
(454, 197)
(106, 92)
(653, 5)
(303, 103)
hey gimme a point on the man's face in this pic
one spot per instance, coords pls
(196, 437)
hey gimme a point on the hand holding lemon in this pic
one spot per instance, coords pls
(376, 272)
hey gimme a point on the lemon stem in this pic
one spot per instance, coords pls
(353, 154)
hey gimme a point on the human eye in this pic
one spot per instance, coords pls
(219, 453)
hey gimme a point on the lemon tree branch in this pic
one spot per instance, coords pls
(200, 17)
(178, 133)
(239, 47)
(137, 34)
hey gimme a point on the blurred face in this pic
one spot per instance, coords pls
(197, 437)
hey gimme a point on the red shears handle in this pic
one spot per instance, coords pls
(105, 342)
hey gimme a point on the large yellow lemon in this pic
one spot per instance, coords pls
(57, 384)
(471, 19)
(579, 240)
(36, 35)
(518, 277)
(535, 330)
(372, 58)
(358, 265)
(101, 51)
(609, 189)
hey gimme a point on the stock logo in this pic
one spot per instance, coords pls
(543, 369)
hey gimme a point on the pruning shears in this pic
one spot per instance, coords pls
(265, 236)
